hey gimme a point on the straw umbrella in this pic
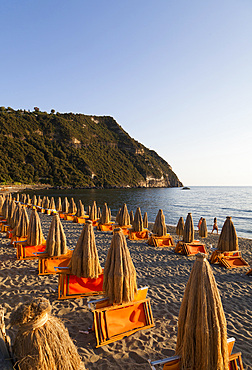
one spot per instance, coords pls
(28, 199)
(43, 202)
(109, 214)
(17, 197)
(17, 214)
(52, 203)
(99, 212)
(21, 229)
(5, 208)
(80, 209)
(119, 273)
(138, 221)
(202, 329)
(145, 221)
(88, 210)
(12, 207)
(65, 205)
(118, 215)
(188, 234)
(93, 212)
(1, 204)
(56, 239)
(42, 342)
(39, 201)
(180, 227)
(47, 203)
(203, 229)
(228, 240)
(35, 235)
(105, 215)
(124, 218)
(72, 207)
(159, 227)
(85, 261)
(131, 217)
(59, 205)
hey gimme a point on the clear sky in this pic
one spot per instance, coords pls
(175, 74)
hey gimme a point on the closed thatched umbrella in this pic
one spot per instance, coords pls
(124, 218)
(5, 208)
(17, 215)
(72, 207)
(47, 203)
(99, 212)
(203, 229)
(188, 235)
(131, 217)
(59, 205)
(56, 239)
(80, 209)
(39, 201)
(28, 199)
(17, 197)
(202, 329)
(43, 205)
(228, 240)
(85, 261)
(35, 235)
(105, 215)
(65, 205)
(23, 198)
(42, 341)
(34, 200)
(88, 210)
(1, 204)
(159, 227)
(180, 227)
(93, 212)
(145, 221)
(118, 215)
(119, 273)
(138, 221)
(21, 229)
(109, 214)
(52, 203)
(12, 207)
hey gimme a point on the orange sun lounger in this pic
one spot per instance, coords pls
(69, 217)
(161, 241)
(190, 249)
(115, 322)
(28, 252)
(229, 260)
(173, 363)
(80, 220)
(105, 227)
(46, 264)
(71, 286)
(138, 235)
(249, 272)
(125, 229)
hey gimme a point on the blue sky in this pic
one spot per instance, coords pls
(176, 75)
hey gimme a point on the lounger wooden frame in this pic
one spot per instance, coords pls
(190, 249)
(232, 259)
(22, 250)
(138, 235)
(46, 264)
(161, 241)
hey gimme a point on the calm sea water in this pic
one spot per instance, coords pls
(208, 202)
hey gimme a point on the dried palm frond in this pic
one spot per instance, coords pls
(42, 341)
(188, 234)
(202, 329)
(85, 261)
(56, 239)
(119, 273)
(228, 240)
(159, 227)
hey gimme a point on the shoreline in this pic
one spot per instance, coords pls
(166, 274)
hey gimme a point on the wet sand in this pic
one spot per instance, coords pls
(164, 272)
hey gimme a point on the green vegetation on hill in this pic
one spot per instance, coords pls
(76, 150)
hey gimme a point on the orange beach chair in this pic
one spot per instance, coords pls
(113, 322)
(105, 227)
(28, 252)
(229, 260)
(190, 249)
(46, 264)
(173, 363)
(138, 235)
(71, 286)
(161, 241)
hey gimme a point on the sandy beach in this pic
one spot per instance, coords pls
(166, 274)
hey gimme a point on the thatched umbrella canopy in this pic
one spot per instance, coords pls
(17, 197)
(72, 207)
(43, 202)
(28, 199)
(118, 215)
(203, 229)
(88, 210)
(52, 203)
(65, 205)
(59, 205)
(119, 273)
(47, 203)
(180, 227)
(138, 221)
(35, 235)
(34, 200)
(145, 221)
(99, 212)
(131, 217)
(80, 209)
(1, 204)
(109, 214)
(124, 218)
(93, 212)
(202, 329)
(42, 342)
(85, 261)
(5, 208)
(188, 235)
(56, 238)
(39, 201)
(105, 215)
(13, 218)
(12, 207)
(21, 229)
(17, 214)
(159, 227)
(228, 240)
(23, 198)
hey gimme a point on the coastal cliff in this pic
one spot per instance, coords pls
(76, 150)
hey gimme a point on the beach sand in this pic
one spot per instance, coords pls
(164, 272)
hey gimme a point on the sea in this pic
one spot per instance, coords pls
(201, 201)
